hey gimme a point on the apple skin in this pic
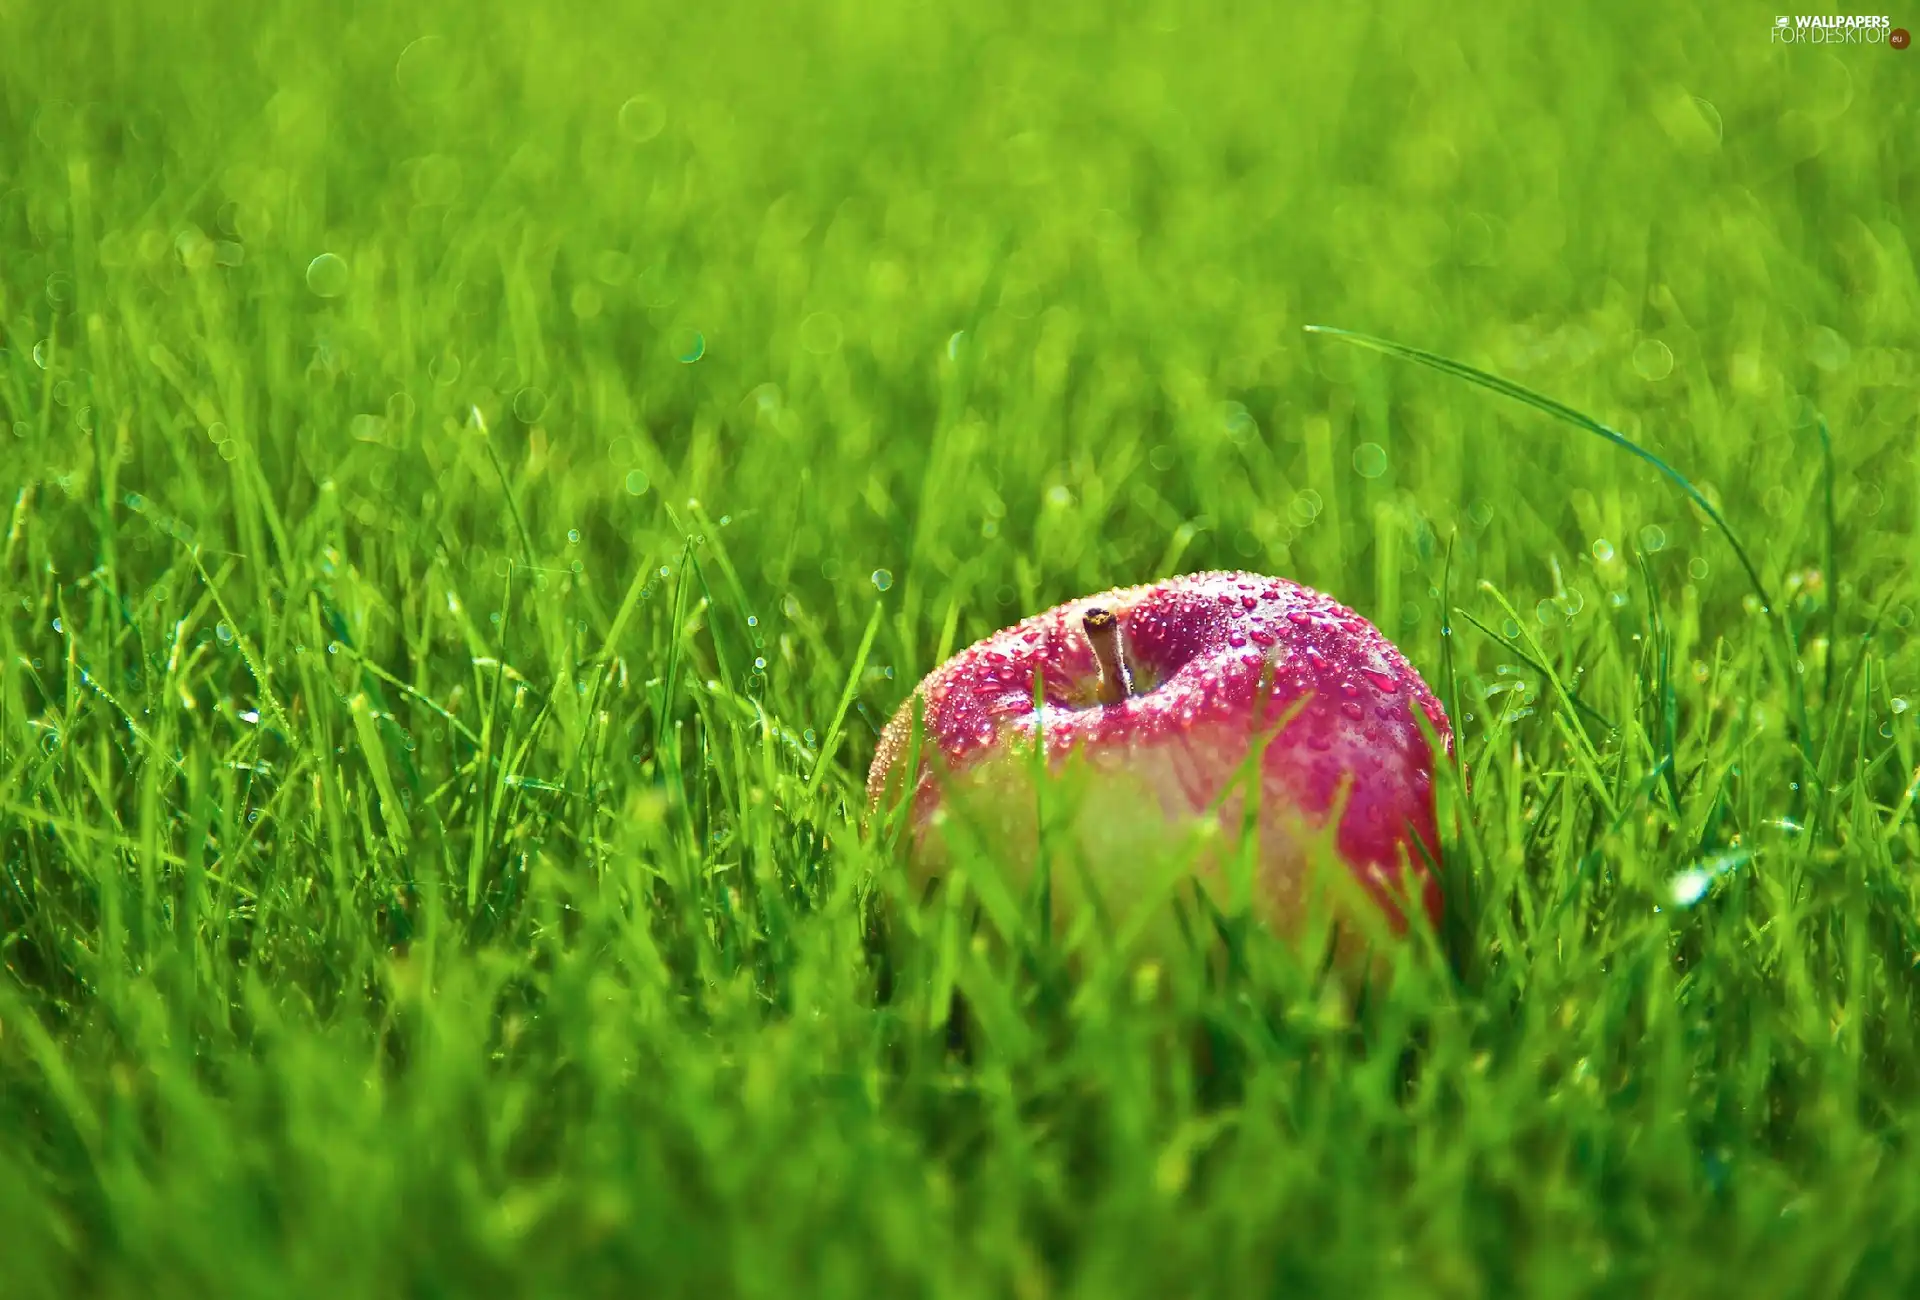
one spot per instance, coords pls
(1218, 660)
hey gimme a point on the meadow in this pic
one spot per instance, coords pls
(476, 478)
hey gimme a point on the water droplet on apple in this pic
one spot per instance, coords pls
(1348, 691)
(1353, 710)
(1248, 602)
(1262, 637)
(1236, 640)
(1300, 618)
(1385, 681)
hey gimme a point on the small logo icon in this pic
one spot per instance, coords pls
(1899, 38)
(1784, 20)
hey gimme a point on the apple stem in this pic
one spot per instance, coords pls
(1103, 634)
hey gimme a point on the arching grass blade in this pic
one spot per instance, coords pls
(1560, 411)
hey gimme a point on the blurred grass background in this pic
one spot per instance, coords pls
(455, 457)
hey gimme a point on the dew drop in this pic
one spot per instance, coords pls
(1689, 887)
(327, 276)
(1829, 349)
(529, 404)
(689, 346)
(821, 333)
(1262, 637)
(1386, 682)
(1300, 618)
(1348, 691)
(642, 118)
(1652, 360)
(1237, 640)
(424, 71)
(882, 578)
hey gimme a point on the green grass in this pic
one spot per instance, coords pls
(476, 478)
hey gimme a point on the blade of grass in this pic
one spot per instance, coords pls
(479, 424)
(1565, 413)
(846, 701)
(1830, 561)
(1538, 667)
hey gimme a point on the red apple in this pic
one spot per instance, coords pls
(1162, 693)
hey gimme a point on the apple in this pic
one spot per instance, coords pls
(1164, 700)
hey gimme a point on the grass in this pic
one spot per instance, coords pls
(476, 478)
